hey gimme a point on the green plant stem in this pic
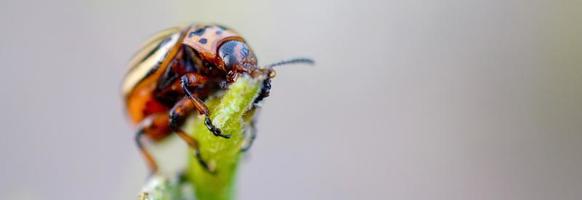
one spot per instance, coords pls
(159, 187)
(231, 114)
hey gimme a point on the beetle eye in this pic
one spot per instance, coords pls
(229, 61)
(236, 53)
(227, 54)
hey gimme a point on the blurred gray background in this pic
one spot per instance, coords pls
(425, 99)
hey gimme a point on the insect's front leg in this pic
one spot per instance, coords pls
(188, 81)
(187, 85)
(265, 92)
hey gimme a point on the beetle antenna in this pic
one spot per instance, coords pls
(291, 61)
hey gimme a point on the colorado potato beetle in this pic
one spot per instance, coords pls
(172, 75)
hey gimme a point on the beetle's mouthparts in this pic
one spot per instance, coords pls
(263, 71)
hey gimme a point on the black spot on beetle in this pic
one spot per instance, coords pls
(198, 32)
(203, 40)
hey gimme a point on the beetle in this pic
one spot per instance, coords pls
(179, 68)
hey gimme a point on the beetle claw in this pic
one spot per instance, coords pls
(216, 131)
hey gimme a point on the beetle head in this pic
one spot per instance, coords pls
(238, 58)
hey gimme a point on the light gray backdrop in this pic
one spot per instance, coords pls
(449, 99)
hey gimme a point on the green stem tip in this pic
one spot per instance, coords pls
(231, 113)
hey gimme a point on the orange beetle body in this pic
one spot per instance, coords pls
(177, 70)
(142, 88)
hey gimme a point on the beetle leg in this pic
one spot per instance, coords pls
(158, 126)
(201, 107)
(252, 137)
(152, 165)
(155, 127)
(178, 116)
(193, 143)
(265, 91)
